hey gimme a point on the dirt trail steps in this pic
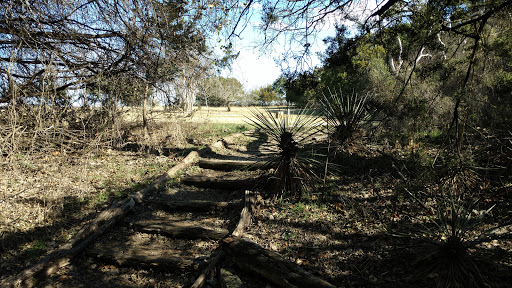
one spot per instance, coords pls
(186, 235)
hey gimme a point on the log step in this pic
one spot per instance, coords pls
(192, 205)
(231, 165)
(255, 259)
(219, 183)
(183, 230)
(161, 259)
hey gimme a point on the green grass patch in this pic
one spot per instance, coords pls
(219, 130)
(37, 249)
(434, 136)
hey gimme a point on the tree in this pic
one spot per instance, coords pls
(58, 54)
(300, 87)
(221, 91)
(75, 43)
(411, 33)
(278, 86)
(267, 95)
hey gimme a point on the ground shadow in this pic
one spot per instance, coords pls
(68, 217)
(385, 260)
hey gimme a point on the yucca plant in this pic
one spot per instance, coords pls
(294, 169)
(451, 259)
(345, 114)
(457, 219)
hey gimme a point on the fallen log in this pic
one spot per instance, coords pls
(180, 230)
(192, 205)
(61, 257)
(229, 280)
(255, 259)
(141, 258)
(216, 261)
(218, 183)
(231, 165)
(246, 214)
(244, 222)
(161, 181)
(92, 230)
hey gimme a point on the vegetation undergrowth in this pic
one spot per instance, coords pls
(455, 226)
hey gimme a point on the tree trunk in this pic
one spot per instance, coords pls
(144, 117)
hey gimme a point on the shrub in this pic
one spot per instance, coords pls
(345, 114)
(458, 220)
(294, 168)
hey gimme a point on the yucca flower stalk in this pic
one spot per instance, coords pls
(294, 170)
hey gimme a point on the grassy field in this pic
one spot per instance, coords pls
(237, 115)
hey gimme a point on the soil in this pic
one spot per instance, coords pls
(360, 231)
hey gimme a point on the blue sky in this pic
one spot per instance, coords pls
(255, 68)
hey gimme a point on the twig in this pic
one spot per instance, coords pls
(12, 196)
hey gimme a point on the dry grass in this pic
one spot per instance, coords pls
(237, 115)
(44, 199)
(46, 196)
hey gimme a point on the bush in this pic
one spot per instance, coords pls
(294, 168)
(345, 114)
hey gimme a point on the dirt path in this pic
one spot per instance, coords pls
(187, 234)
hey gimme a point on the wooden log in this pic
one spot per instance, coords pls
(246, 214)
(180, 230)
(218, 183)
(161, 181)
(270, 265)
(61, 257)
(229, 280)
(141, 258)
(216, 261)
(192, 205)
(106, 219)
(231, 165)
(229, 139)
(245, 220)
